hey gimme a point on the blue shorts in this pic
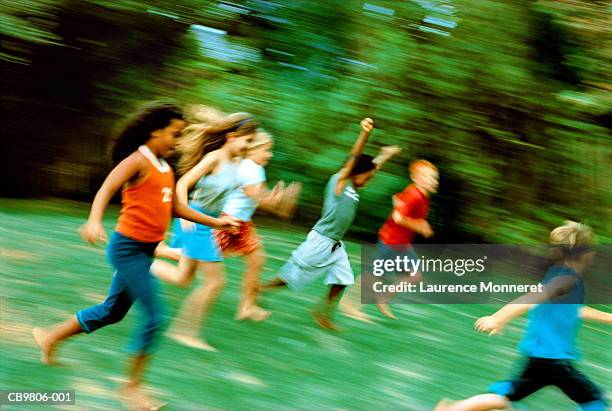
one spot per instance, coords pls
(200, 244)
(132, 281)
(391, 252)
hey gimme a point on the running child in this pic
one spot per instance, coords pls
(323, 253)
(241, 204)
(210, 154)
(549, 343)
(147, 184)
(197, 114)
(408, 218)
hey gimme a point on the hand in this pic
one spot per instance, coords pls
(289, 200)
(390, 151)
(93, 232)
(426, 230)
(276, 194)
(228, 223)
(187, 226)
(396, 201)
(280, 186)
(490, 324)
(367, 125)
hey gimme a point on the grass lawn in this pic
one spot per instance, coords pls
(286, 362)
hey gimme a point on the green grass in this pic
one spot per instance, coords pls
(286, 362)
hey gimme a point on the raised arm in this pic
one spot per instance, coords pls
(93, 230)
(367, 125)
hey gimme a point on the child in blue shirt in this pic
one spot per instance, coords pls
(549, 344)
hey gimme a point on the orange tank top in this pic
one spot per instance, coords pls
(146, 208)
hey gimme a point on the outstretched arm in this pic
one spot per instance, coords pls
(494, 324)
(262, 195)
(367, 125)
(386, 153)
(280, 201)
(592, 314)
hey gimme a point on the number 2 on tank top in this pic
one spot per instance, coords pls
(166, 195)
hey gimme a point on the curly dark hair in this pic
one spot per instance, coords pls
(137, 129)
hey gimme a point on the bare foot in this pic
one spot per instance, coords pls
(254, 313)
(325, 322)
(385, 309)
(134, 399)
(46, 348)
(157, 406)
(191, 341)
(356, 314)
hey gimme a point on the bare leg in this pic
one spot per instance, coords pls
(248, 308)
(483, 402)
(323, 316)
(383, 305)
(181, 275)
(48, 338)
(275, 283)
(193, 311)
(385, 309)
(136, 368)
(165, 251)
(132, 393)
(349, 305)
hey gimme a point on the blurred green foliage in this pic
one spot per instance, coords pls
(510, 99)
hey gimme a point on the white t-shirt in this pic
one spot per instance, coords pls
(238, 204)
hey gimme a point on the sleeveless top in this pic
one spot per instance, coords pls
(146, 208)
(212, 190)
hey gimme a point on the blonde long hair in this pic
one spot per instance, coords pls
(208, 132)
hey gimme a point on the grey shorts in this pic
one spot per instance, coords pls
(316, 257)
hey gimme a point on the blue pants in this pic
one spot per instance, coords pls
(132, 281)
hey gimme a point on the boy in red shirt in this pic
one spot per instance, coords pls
(411, 206)
(408, 217)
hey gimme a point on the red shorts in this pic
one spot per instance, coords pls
(243, 241)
